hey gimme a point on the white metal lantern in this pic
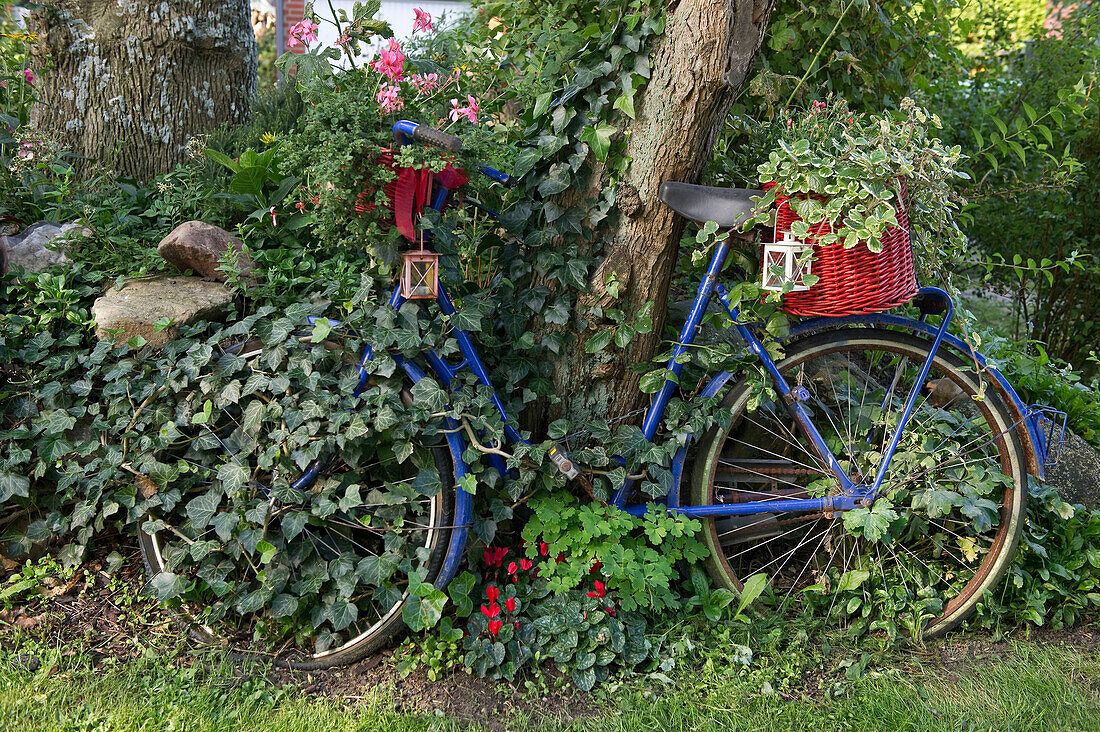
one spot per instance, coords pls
(785, 262)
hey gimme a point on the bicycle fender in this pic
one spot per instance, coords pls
(678, 461)
(464, 501)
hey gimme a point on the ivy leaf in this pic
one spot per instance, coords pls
(342, 614)
(598, 342)
(376, 571)
(293, 522)
(13, 485)
(599, 139)
(542, 103)
(283, 605)
(233, 476)
(625, 102)
(424, 607)
(427, 394)
(557, 180)
(459, 591)
(167, 585)
(202, 508)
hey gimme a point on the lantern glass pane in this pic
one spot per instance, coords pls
(775, 267)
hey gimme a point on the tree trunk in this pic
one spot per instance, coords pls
(699, 64)
(130, 83)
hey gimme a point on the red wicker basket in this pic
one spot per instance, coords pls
(852, 281)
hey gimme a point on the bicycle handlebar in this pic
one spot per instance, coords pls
(426, 135)
(429, 136)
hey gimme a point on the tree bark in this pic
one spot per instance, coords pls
(130, 83)
(699, 64)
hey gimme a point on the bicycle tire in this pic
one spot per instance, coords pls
(960, 466)
(330, 537)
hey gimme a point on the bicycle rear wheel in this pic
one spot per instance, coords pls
(949, 514)
(306, 576)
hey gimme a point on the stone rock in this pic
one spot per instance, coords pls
(135, 309)
(36, 247)
(1076, 475)
(200, 247)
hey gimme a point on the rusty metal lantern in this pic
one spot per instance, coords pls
(420, 274)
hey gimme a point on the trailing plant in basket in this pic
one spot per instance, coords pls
(843, 173)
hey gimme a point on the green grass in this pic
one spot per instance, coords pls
(1032, 686)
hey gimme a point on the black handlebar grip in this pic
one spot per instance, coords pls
(430, 136)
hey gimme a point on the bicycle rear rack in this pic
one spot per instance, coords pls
(1051, 434)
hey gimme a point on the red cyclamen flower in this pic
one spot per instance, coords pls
(423, 20)
(492, 593)
(510, 603)
(600, 591)
(595, 566)
(494, 557)
(495, 626)
(544, 548)
(525, 564)
(512, 568)
(492, 611)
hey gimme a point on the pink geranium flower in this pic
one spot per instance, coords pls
(390, 62)
(425, 83)
(469, 112)
(423, 20)
(28, 76)
(304, 32)
(389, 96)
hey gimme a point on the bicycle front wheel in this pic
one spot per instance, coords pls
(947, 519)
(304, 574)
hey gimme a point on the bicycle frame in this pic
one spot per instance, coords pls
(851, 495)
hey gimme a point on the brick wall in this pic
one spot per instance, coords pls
(293, 10)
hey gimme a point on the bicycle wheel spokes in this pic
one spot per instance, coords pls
(309, 576)
(948, 513)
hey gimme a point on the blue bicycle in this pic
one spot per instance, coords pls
(885, 483)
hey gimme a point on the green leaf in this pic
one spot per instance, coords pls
(853, 579)
(751, 589)
(343, 613)
(249, 181)
(376, 571)
(427, 394)
(167, 585)
(267, 551)
(13, 485)
(459, 591)
(598, 342)
(542, 103)
(283, 605)
(202, 508)
(233, 476)
(557, 180)
(223, 159)
(423, 610)
(599, 139)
